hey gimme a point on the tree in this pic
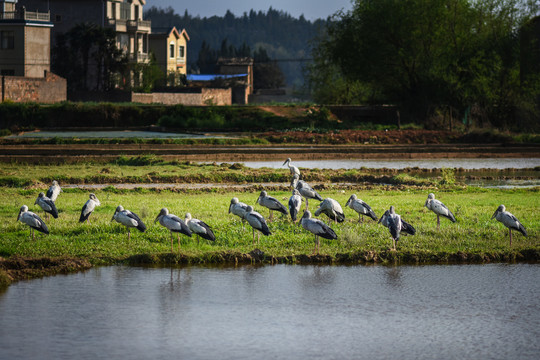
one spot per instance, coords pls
(266, 73)
(427, 56)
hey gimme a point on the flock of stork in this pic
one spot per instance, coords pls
(330, 207)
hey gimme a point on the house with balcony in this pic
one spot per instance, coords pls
(125, 17)
(25, 44)
(169, 47)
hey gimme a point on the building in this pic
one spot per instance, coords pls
(125, 17)
(169, 47)
(25, 41)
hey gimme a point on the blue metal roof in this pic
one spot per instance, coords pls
(211, 77)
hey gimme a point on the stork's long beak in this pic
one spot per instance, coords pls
(495, 213)
(113, 216)
(230, 206)
(19, 216)
(284, 162)
(378, 222)
(425, 204)
(157, 218)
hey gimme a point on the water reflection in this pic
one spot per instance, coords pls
(276, 312)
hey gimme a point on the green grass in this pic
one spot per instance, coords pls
(103, 241)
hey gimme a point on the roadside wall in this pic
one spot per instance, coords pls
(49, 89)
(204, 96)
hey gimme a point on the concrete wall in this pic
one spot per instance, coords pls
(49, 89)
(204, 96)
(37, 51)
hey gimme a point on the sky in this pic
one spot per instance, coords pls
(311, 9)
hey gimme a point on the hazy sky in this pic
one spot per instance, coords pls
(312, 9)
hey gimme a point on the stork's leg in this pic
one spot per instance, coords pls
(178, 236)
(171, 241)
(307, 204)
(394, 243)
(318, 245)
(510, 236)
(359, 217)
(32, 232)
(258, 237)
(253, 242)
(438, 222)
(129, 234)
(198, 238)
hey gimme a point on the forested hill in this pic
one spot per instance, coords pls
(281, 35)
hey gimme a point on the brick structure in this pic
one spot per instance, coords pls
(200, 96)
(49, 89)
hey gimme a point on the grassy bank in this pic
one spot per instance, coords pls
(474, 237)
(152, 169)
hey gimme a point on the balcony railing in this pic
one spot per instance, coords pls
(139, 25)
(25, 15)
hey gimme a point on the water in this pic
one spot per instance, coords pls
(276, 312)
(111, 135)
(465, 163)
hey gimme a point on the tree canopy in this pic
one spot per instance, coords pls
(427, 56)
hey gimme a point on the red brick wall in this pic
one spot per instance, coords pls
(49, 89)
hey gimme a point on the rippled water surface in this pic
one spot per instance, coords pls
(276, 312)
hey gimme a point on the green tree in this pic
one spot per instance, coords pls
(266, 73)
(427, 55)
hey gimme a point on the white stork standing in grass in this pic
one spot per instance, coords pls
(200, 228)
(32, 220)
(295, 203)
(46, 205)
(271, 203)
(238, 208)
(396, 225)
(88, 208)
(439, 209)
(360, 207)
(295, 173)
(509, 220)
(174, 224)
(257, 222)
(128, 219)
(332, 209)
(54, 191)
(307, 192)
(317, 228)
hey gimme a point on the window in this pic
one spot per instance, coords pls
(125, 11)
(171, 50)
(181, 52)
(58, 18)
(7, 40)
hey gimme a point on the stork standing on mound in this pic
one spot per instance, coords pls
(46, 205)
(295, 172)
(200, 228)
(32, 220)
(271, 203)
(509, 220)
(174, 224)
(332, 209)
(360, 207)
(257, 222)
(88, 208)
(317, 228)
(396, 225)
(439, 209)
(307, 192)
(54, 191)
(128, 219)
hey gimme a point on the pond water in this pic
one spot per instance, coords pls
(465, 163)
(276, 312)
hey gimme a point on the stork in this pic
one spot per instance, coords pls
(294, 171)
(174, 224)
(439, 209)
(46, 205)
(509, 220)
(128, 219)
(307, 191)
(295, 203)
(88, 208)
(396, 225)
(271, 203)
(332, 209)
(317, 228)
(257, 222)
(238, 208)
(200, 228)
(32, 220)
(54, 191)
(360, 207)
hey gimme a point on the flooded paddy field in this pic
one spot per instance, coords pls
(276, 312)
